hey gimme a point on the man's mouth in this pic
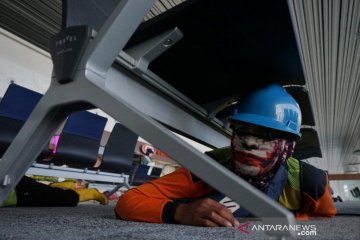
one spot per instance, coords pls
(249, 158)
(257, 153)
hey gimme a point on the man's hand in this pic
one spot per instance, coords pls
(205, 212)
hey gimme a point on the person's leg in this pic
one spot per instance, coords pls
(33, 194)
(70, 184)
(64, 185)
(85, 194)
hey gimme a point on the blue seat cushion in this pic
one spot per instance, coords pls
(18, 102)
(85, 124)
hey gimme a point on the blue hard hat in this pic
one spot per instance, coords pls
(270, 107)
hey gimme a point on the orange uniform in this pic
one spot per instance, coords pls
(156, 201)
(146, 202)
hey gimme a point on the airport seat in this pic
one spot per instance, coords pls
(119, 150)
(155, 172)
(168, 141)
(142, 175)
(79, 141)
(15, 107)
(9, 128)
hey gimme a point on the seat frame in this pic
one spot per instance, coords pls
(95, 83)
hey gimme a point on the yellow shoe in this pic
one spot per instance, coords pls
(91, 194)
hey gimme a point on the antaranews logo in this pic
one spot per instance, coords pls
(244, 227)
(302, 230)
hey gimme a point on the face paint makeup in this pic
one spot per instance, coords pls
(254, 156)
(257, 160)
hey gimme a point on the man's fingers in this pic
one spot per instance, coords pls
(227, 214)
(205, 212)
(218, 219)
(222, 216)
(208, 223)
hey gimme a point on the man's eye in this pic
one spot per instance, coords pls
(269, 135)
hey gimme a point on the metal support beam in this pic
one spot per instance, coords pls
(75, 173)
(109, 42)
(217, 135)
(144, 53)
(98, 86)
(133, 91)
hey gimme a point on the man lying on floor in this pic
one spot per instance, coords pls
(30, 193)
(266, 123)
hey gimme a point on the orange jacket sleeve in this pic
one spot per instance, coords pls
(146, 202)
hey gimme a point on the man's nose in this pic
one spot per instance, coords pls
(251, 143)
